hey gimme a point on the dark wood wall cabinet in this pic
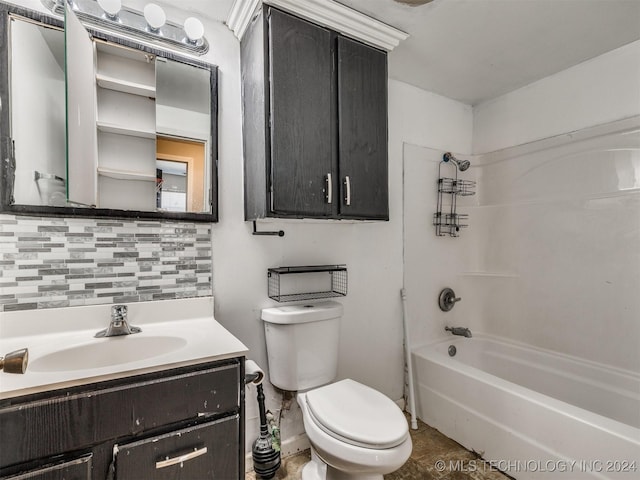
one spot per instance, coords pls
(315, 122)
(185, 423)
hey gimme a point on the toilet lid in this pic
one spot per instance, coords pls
(357, 414)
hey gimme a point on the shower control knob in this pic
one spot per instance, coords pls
(447, 299)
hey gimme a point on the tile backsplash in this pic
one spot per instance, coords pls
(53, 262)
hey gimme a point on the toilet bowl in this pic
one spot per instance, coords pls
(355, 432)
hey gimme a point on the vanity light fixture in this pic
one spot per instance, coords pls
(155, 16)
(150, 26)
(194, 29)
(111, 7)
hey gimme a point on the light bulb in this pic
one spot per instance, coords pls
(194, 29)
(154, 15)
(111, 7)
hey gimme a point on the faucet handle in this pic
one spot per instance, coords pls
(15, 362)
(118, 312)
(447, 299)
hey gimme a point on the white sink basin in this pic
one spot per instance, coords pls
(64, 353)
(98, 353)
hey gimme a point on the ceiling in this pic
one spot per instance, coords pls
(475, 50)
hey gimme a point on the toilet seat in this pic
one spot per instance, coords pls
(357, 415)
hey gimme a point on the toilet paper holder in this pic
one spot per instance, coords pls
(252, 373)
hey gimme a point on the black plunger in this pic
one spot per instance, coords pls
(266, 460)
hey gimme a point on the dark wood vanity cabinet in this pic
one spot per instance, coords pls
(185, 423)
(315, 122)
(204, 451)
(75, 469)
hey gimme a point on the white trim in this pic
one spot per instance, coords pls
(323, 12)
(240, 16)
(623, 125)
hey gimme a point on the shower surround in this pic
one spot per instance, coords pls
(551, 264)
(556, 246)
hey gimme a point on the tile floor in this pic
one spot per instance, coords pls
(434, 457)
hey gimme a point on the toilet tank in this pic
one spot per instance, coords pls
(302, 344)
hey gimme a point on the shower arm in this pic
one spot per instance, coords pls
(461, 164)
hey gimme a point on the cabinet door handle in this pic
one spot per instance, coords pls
(329, 188)
(181, 458)
(347, 190)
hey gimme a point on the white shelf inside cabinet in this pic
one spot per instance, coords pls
(126, 174)
(125, 86)
(124, 130)
(125, 114)
(132, 191)
(121, 63)
(126, 152)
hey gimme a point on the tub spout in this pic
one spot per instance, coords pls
(462, 331)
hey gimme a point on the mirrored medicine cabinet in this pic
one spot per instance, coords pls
(96, 125)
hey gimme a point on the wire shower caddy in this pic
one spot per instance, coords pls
(450, 222)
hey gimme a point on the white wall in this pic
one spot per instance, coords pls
(600, 90)
(428, 125)
(432, 263)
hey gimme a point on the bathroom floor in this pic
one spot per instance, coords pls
(434, 457)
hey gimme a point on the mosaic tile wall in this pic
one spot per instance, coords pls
(50, 263)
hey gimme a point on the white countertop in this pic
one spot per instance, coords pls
(187, 324)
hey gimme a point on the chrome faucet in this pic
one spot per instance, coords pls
(462, 331)
(118, 325)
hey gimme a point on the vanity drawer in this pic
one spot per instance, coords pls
(72, 420)
(77, 469)
(204, 451)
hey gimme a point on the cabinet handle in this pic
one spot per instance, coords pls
(329, 188)
(182, 458)
(347, 190)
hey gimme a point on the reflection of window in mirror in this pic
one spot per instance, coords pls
(183, 126)
(181, 175)
(37, 86)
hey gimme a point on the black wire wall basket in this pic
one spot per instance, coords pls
(337, 287)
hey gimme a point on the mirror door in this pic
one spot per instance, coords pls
(81, 100)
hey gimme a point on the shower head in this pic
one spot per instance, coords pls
(461, 164)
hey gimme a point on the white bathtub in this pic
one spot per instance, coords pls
(529, 412)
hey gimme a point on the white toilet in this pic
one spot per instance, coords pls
(355, 431)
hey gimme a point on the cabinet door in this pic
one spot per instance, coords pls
(210, 450)
(82, 141)
(362, 130)
(301, 105)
